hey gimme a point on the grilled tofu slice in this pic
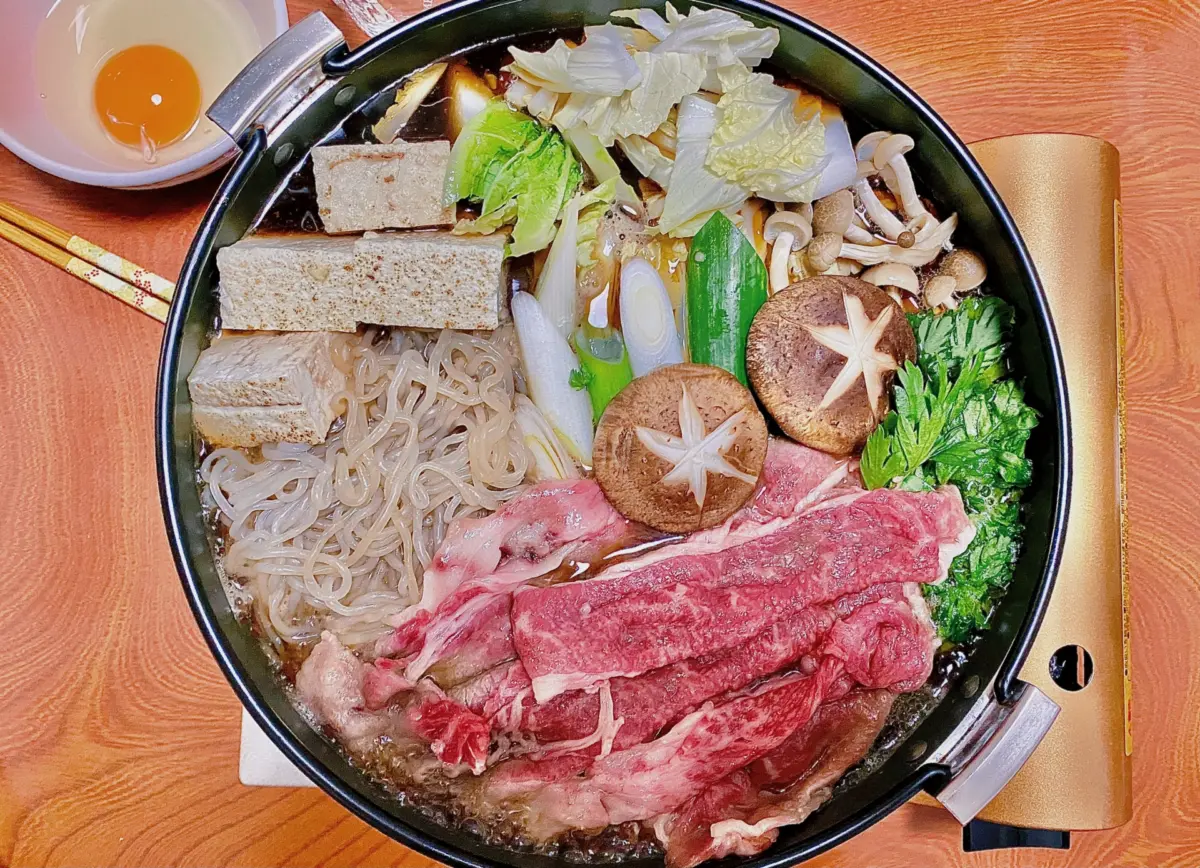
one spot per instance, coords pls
(289, 283)
(431, 279)
(251, 389)
(396, 186)
(428, 280)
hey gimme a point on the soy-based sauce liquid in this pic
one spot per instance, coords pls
(407, 770)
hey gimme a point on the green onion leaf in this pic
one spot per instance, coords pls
(726, 285)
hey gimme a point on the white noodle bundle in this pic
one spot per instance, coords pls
(337, 536)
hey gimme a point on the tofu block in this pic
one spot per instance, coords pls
(396, 186)
(248, 427)
(289, 283)
(252, 389)
(431, 279)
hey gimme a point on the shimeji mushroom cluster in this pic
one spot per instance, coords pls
(853, 232)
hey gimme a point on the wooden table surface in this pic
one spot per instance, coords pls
(118, 734)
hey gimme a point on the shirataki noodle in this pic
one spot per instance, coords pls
(337, 536)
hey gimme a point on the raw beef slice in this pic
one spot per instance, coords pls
(741, 815)
(574, 636)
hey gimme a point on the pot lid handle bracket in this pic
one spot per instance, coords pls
(281, 77)
(993, 749)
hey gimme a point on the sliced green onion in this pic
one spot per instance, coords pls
(604, 365)
(408, 100)
(556, 286)
(647, 318)
(549, 363)
(548, 456)
(469, 95)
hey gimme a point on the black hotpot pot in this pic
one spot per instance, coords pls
(304, 86)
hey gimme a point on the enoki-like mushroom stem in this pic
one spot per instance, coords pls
(781, 251)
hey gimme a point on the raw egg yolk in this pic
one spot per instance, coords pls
(147, 95)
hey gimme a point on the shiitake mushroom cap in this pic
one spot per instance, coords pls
(631, 475)
(791, 371)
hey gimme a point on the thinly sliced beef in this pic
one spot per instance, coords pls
(741, 815)
(574, 636)
(474, 619)
(408, 635)
(517, 780)
(685, 834)
(456, 735)
(383, 680)
(794, 478)
(331, 685)
(461, 627)
(717, 685)
(739, 729)
(654, 777)
(477, 648)
(659, 698)
(888, 643)
(812, 746)
(527, 537)
(531, 536)
(646, 704)
(496, 689)
(464, 644)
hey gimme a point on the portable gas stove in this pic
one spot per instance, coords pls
(1065, 194)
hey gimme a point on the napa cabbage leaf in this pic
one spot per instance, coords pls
(519, 171)
(765, 142)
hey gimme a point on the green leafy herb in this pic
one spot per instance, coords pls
(976, 328)
(962, 604)
(579, 379)
(958, 421)
(916, 431)
(987, 441)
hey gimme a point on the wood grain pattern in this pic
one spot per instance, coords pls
(118, 735)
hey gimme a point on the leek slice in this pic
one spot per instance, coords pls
(647, 318)
(726, 285)
(549, 362)
(604, 365)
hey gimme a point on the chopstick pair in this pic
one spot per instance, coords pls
(103, 269)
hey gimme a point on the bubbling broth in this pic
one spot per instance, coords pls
(481, 557)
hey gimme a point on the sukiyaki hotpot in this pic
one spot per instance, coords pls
(614, 437)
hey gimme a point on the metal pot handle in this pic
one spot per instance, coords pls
(279, 79)
(994, 746)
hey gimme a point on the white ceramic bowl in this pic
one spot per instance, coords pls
(27, 130)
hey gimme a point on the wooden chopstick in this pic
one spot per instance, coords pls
(127, 271)
(134, 296)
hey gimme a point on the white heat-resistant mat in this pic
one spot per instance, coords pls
(262, 764)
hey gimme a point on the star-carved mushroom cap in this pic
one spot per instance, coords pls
(822, 356)
(681, 448)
